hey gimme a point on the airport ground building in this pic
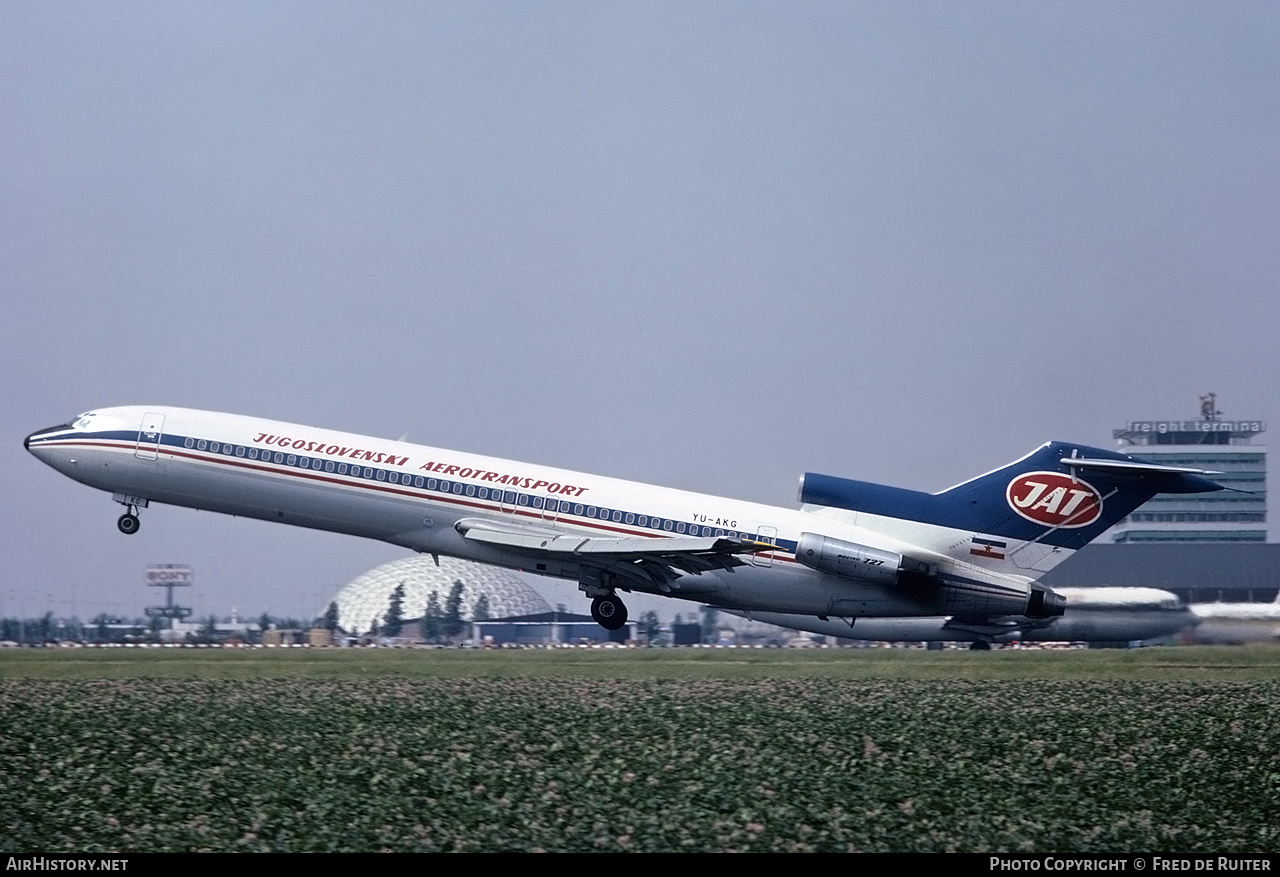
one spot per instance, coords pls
(548, 628)
(1198, 572)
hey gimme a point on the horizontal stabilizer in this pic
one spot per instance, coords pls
(1133, 466)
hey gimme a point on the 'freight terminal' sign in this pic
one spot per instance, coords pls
(169, 574)
(1162, 426)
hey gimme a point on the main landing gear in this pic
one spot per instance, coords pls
(609, 612)
(607, 608)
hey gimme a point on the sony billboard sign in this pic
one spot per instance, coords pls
(168, 574)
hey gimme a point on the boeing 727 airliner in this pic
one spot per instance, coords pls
(852, 550)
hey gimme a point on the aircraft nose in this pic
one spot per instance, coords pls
(41, 433)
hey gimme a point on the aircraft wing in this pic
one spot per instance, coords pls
(652, 562)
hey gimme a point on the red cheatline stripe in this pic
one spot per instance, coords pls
(348, 482)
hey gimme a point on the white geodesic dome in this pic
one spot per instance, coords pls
(367, 598)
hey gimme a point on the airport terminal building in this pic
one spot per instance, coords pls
(1204, 547)
(1238, 514)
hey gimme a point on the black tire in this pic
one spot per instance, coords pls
(609, 612)
(128, 524)
(979, 646)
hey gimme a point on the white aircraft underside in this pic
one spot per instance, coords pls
(861, 559)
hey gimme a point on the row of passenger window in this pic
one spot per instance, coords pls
(549, 506)
(298, 461)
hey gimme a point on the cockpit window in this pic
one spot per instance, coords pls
(60, 426)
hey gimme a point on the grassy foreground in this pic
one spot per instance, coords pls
(1155, 750)
(1236, 663)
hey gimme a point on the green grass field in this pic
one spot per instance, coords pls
(1235, 663)
(895, 750)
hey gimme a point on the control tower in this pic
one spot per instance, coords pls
(1225, 446)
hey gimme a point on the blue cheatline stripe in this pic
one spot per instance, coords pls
(330, 471)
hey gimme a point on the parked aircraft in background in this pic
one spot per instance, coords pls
(1093, 615)
(1237, 622)
(853, 550)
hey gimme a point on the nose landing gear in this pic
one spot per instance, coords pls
(128, 522)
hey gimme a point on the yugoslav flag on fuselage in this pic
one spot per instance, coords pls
(1061, 494)
(992, 549)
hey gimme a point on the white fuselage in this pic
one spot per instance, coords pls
(1237, 622)
(412, 495)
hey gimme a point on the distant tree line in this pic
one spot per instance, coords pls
(105, 628)
(448, 624)
(440, 623)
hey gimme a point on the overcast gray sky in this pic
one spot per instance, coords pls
(706, 245)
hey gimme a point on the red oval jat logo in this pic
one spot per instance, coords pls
(1054, 499)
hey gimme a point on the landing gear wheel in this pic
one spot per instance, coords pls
(979, 646)
(128, 523)
(609, 612)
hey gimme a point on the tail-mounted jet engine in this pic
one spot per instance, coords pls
(853, 561)
(1045, 603)
(879, 567)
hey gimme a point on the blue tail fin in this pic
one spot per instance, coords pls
(1061, 494)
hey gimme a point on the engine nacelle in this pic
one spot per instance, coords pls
(1045, 603)
(919, 582)
(853, 561)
